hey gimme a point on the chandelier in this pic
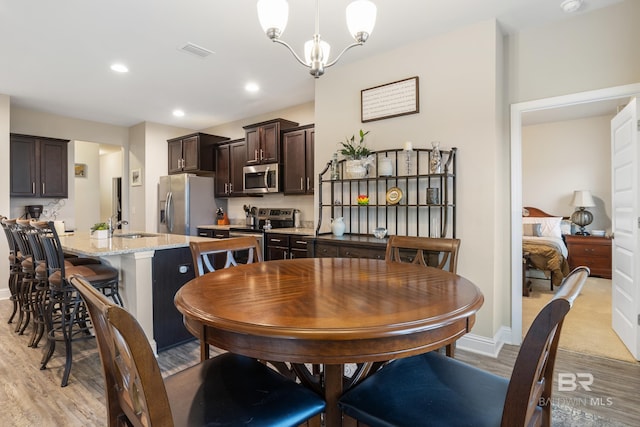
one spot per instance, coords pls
(361, 17)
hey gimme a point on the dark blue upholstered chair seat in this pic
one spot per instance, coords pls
(237, 390)
(446, 391)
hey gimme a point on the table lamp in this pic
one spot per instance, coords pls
(581, 200)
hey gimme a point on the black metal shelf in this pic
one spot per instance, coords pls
(412, 215)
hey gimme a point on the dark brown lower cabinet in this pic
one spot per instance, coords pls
(172, 268)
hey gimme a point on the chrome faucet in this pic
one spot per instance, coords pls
(115, 224)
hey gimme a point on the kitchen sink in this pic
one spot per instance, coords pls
(135, 235)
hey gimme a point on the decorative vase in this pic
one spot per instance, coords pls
(435, 161)
(338, 226)
(355, 169)
(385, 166)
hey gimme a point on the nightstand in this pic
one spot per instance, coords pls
(590, 251)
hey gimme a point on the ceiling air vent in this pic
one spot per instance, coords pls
(196, 50)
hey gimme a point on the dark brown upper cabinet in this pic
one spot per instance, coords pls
(263, 140)
(230, 159)
(38, 166)
(297, 159)
(194, 153)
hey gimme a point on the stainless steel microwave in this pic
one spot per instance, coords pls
(261, 178)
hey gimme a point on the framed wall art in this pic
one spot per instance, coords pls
(80, 170)
(390, 100)
(136, 177)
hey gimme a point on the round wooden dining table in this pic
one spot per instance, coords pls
(329, 312)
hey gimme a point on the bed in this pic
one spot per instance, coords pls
(542, 244)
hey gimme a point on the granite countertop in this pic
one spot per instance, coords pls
(302, 231)
(81, 243)
(217, 227)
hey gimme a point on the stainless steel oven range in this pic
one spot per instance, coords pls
(271, 218)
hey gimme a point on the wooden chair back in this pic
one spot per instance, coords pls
(207, 254)
(528, 400)
(135, 391)
(427, 251)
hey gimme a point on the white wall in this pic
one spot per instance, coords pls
(459, 103)
(561, 157)
(591, 51)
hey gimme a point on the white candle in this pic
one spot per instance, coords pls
(408, 146)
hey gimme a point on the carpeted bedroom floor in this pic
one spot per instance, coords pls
(587, 327)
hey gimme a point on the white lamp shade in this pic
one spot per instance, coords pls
(308, 49)
(273, 14)
(582, 199)
(361, 17)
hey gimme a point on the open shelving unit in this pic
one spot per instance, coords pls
(412, 215)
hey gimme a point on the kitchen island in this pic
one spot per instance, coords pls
(152, 266)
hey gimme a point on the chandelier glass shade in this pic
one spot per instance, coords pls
(361, 18)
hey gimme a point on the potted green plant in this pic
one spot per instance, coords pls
(357, 155)
(100, 230)
(353, 150)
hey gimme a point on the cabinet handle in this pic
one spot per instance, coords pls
(33, 187)
(301, 242)
(202, 234)
(43, 192)
(275, 240)
(308, 183)
(261, 154)
(301, 184)
(226, 188)
(255, 155)
(230, 188)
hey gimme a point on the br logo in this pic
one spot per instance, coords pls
(568, 381)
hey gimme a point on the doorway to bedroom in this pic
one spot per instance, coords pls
(563, 145)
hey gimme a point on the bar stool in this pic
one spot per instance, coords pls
(26, 286)
(15, 268)
(66, 313)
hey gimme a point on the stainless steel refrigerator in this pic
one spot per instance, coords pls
(186, 201)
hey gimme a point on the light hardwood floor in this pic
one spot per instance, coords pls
(31, 397)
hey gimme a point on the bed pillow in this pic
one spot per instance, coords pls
(549, 226)
(532, 230)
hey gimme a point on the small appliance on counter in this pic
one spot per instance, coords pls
(33, 211)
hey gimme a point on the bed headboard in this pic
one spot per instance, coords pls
(535, 212)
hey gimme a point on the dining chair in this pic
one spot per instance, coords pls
(212, 255)
(441, 253)
(228, 389)
(427, 251)
(442, 391)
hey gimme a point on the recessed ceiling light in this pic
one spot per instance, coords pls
(119, 68)
(178, 113)
(251, 87)
(570, 6)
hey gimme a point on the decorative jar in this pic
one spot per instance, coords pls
(385, 166)
(338, 226)
(435, 160)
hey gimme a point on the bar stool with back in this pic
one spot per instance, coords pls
(66, 313)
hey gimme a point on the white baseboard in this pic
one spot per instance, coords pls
(4, 294)
(483, 345)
